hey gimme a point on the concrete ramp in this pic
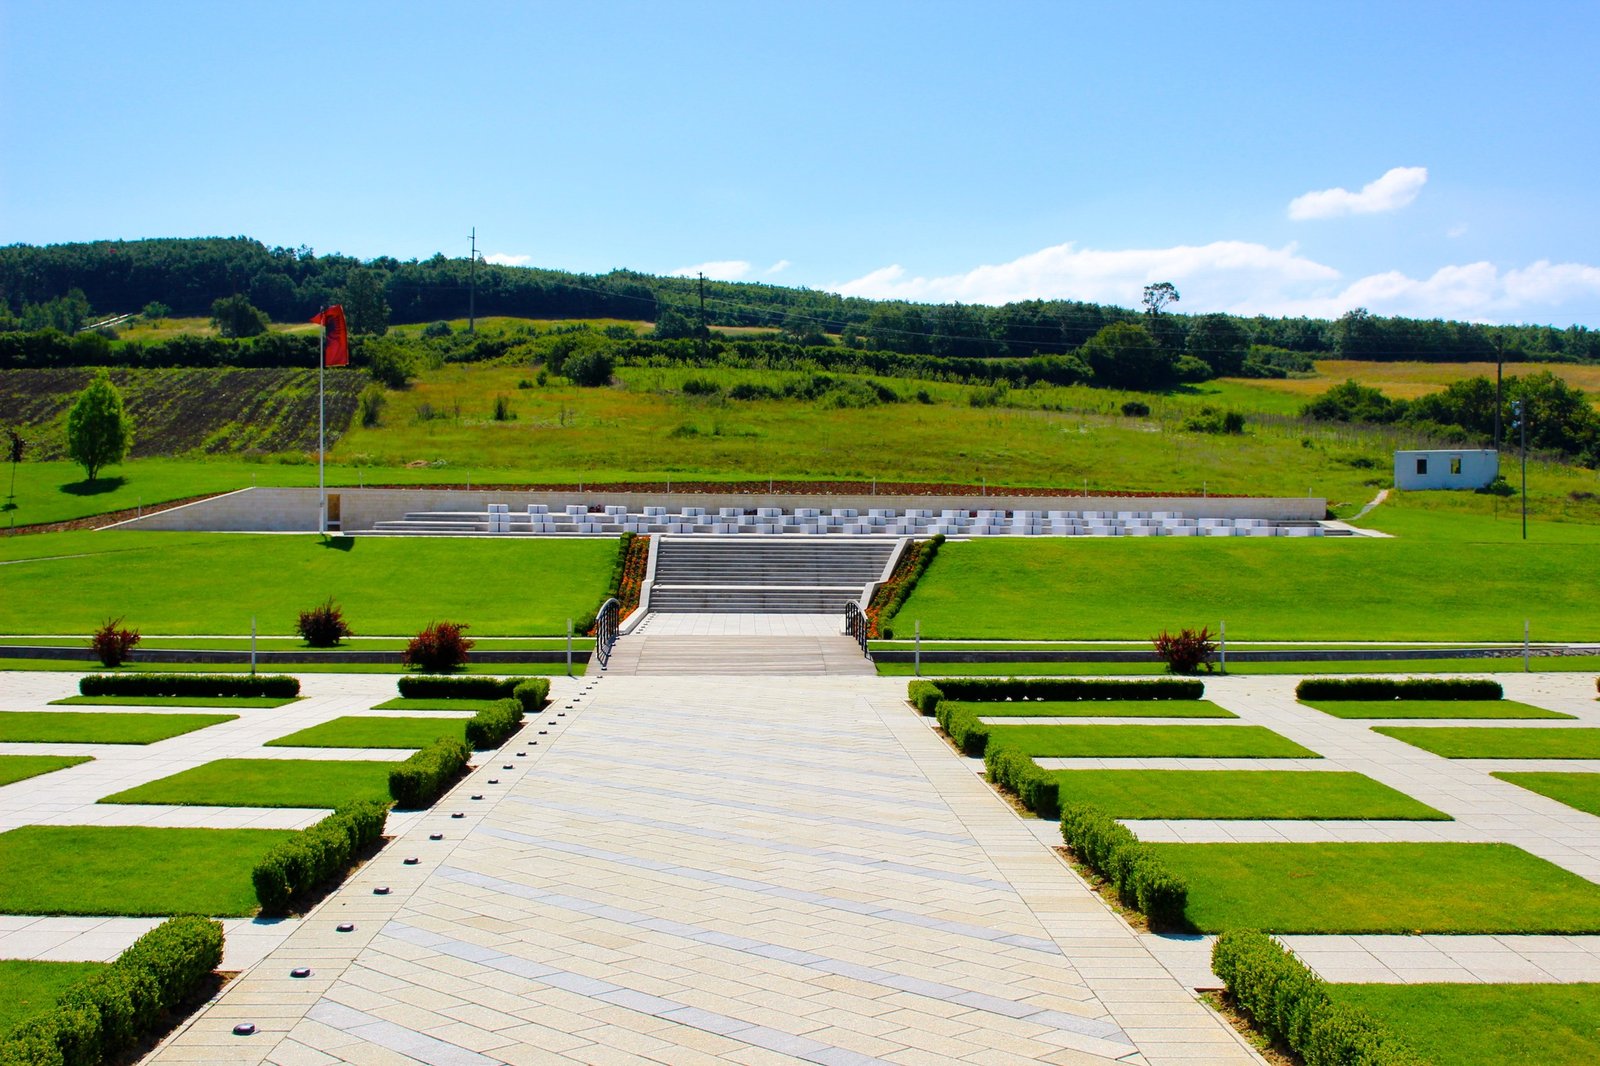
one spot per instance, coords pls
(738, 644)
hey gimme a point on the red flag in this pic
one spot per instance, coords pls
(336, 347)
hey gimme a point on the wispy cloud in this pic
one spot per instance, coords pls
(721, 269)
(1248, 279)
(503, 259)
(777, 268)
(1397, 188)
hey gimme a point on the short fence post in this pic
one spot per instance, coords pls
(569, 647)
(917, 654)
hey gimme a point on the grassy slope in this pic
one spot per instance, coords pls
(21, 767)
(1233, 794)
(1405, 588)
(1509, 1025)
(1580, 791)
(32, 987)
(75, 727)
(130, 870)
(1582, 664)
(267, 783)
(174, 701)
(1101, 709)
(215, 583)
(369, 731)
(1499, 742)
(1148, 741)
(1431, 709)
(1381, 888)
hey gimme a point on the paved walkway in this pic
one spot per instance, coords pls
(686, 871)
(789, 645)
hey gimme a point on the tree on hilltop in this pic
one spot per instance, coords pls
(364, 305)
(236, 316)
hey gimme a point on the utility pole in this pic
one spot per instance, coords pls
(702, 316)
(1499, 372)
(472, 284)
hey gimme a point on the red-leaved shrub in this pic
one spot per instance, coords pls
(1187, 651)
(323, 626)
(112, 643)
(439, 649)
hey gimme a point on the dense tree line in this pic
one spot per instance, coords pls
(57, 285)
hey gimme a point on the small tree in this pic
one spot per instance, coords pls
(236, 316)
(323, 626)
(590, 369)
(99, 431)
(15, 446)
(1187, 651)
(438, 649)
(113, 643)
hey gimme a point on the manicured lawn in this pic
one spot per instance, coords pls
(81, 727)
(374, 732)
(172, 701)
(489, 669)
(1580, 791)
(1432, 709)
(401, 703)
(215, 582)
(1381, 888)
(1499, 742)
(267, 783)
(1239, 794)
(1149, 741)
(31, 987)
(1368, 589)
(1101, 709)
(1581, 664)
(130, 870)
(1488, 1025)
(22, 767)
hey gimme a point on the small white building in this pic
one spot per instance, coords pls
(1446, 468)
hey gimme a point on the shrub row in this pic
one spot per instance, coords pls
(1290, 1004)
(990, 689)
(925, 696)
(189, 685)
(102, 1016)
(1037, 789)
(493, 726)
(1135, 870)
(1389, 688)
(317, 854)
(532, 692)
(960, 722)
(902, 590)
(423, 778)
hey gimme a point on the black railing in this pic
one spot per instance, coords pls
(855, 623)
(606, 621)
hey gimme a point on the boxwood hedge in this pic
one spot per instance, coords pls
(494, 725)
(277, 685)
(1391, 688)
(1135, 870)
(317, 854)
(1037, 789)
(424, 777)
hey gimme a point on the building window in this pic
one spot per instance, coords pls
(1455, 464)
(1422, 467)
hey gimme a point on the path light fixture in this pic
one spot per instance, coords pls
(345, 927)
(435, 836)
(300, 972)
(244, 1029)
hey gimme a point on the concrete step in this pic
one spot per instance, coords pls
(643, 654)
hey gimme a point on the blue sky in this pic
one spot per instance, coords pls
(1441, 157)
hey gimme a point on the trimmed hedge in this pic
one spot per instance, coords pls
(1037, 789)
(98, 1019)
(989, 689)
(425, 687)
(493, 726)
(961, 723)
(1290, 1004)
(1135, 870)
(317, 854)
(533, 693)
(423, 778)
(1389, 688)
(924, 696)
(277, 686)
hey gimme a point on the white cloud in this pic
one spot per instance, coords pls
(777, 268)
(722, 269)
(502, 259)
(1248, 279)
(1458, 230)
(1397, 188)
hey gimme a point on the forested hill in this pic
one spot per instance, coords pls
(188, 275)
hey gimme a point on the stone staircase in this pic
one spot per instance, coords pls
(744, 575)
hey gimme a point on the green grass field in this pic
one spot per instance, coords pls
(1125, 588)
(32, 987)
(173, 701)
(295, 644)
(131, 870)
(266, 783)
(474, 669)
(1233, 794)
(1381, 888)
(216, 582)
(1487, 1025)
(21, 767)
(1431, 709)
(1100, 709)
(1499, 742)
(1148, 741)
(401, 703)
(1578, 664)
(121, 727)
(1577, 790)
(374, 732)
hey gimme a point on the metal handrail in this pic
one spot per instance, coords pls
(606, 622)
(855, 623)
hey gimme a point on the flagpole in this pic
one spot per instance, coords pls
(322, 430)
